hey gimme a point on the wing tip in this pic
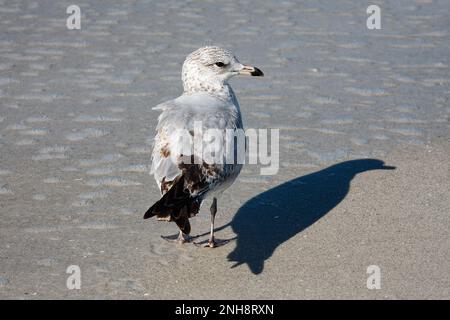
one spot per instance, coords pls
(147, 214)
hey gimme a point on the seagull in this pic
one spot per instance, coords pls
(186, 179)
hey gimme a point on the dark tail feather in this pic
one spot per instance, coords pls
(171, 201)
(184, 225)
(176, 204)
(151, 211)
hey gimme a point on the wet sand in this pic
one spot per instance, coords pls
(75, 139)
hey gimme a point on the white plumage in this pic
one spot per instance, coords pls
(180, 115)
(208, 102)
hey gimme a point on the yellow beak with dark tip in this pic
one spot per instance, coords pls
(251, 71)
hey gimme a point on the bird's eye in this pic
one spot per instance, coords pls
(220, 64)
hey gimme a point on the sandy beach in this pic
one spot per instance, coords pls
(76, 130)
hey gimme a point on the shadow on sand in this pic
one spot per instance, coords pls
(273, 217)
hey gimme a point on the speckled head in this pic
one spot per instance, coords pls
(209, 68)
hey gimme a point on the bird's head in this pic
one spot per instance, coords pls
(209, 68)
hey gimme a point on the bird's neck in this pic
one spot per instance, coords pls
(219, 89)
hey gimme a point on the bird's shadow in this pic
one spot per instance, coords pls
(276, 215)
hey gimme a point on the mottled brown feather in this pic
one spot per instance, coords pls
(183, 196)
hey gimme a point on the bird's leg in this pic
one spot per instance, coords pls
(213, 209)
(213, 242)
(182, 238)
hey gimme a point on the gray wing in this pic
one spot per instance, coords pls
(183, 114)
